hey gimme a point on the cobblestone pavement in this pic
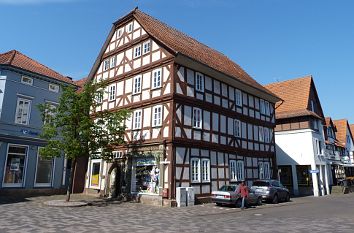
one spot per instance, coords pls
(324, 214)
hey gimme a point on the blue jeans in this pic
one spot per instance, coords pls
(243, 202)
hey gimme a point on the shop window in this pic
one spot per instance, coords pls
(199, 82)
(15, 166)
(23, 110)
(95, 174)
(147, 175)
(238, 97)
(44, 173)
(237, 128)
(304, 177)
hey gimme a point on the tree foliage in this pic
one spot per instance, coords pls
(75, 128)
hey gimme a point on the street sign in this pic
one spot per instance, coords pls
(314, 171)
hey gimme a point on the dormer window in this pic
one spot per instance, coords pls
(27, 80)
(53, 88)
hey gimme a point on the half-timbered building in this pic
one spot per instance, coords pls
(198, 119)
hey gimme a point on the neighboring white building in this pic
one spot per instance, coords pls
(299, 138)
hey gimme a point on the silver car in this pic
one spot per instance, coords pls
(227, 194)
(271, 190)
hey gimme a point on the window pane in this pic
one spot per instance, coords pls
(14, 170)
(44, 170)
(95, 174)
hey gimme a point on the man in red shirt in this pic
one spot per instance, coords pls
(243, 191)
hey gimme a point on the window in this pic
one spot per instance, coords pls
(264, 170)
(156, 78)
(238, 97)
(312, 106)
(137, 51)
(27, 80)
(137, 84)
(112, 92)
(137, 119)
(267, 108)
(99, 96)
(266, 135)
(119, 33)
(146, 47)
(15, 166)
(117, 154)
(261, 133)
(50, 112)
(200, 170)
(261, 107)
(95, 173)
(23, 110)
(130, 27)
(205, 170)
(113, 61)
(106, 65)
(318, 145)
(315, 124)
(157, 116)
(195, 170)
(197, 118)
(44, 173)
(237, 170)
(237, 128)
(53, 88)
(199, 82)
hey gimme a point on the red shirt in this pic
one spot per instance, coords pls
(243, 190)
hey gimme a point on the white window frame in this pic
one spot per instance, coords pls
(261, 106)
(137, 51)
(106, 65)
(137, 88)
(113, 61)
(157, 113)
(240, 170)
(52, 175)
(205, 170)
(237, 128)
(30, 83)
(99, 174)
(5, 185)
(232, 170)
(197, 118)
(117, 154)
(199, 82)
(261, 133)
(195, 170)
(157, 80)
(130, 27)
(112, 92)
(238, 97)
(28, 111)
(137, 119)
(99, 96)
(119, 33)
(53, 87)
(146, 47)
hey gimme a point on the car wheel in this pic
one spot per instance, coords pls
(259, 201)
(287, 198)
(275, 199)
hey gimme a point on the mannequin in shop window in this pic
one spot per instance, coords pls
(154, 183)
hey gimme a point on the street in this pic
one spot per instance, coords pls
(324, 214)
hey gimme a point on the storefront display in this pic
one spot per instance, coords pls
(147, 175)
(14, 171)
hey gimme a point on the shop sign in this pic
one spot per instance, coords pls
(145, 161)
(314, 171)
(29, 132)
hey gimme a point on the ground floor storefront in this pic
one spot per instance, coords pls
(22, 168)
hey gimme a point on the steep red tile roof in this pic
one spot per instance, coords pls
(81, 82)
(186, 45)
(341, 134)
(16, 59)
(295, 94)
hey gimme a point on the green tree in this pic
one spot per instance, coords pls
(74, 128)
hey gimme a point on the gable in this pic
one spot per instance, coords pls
(314, 104)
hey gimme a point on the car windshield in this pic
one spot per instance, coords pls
(260, 183)
(228, 188)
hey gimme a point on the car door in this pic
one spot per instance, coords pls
(276, 185)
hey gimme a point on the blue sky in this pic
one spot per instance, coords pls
(273, 40)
